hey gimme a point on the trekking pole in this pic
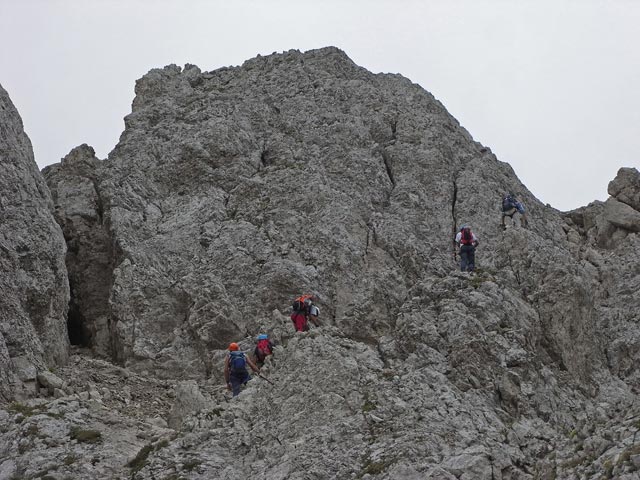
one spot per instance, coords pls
(265, 378)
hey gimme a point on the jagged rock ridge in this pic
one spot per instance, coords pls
(231, 191)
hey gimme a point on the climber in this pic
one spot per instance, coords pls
(263, 349)
(303, 311)
(511, 205)
(235, 369)
(467, 241)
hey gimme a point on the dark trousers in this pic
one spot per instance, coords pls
(467, 258)
(237, 379)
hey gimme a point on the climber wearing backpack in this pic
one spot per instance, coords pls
(304, 311)
(263, 349)
(511, 205)
(467, 241)
(235, 369)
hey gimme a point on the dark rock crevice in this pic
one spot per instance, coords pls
(394, 128)
(454, 219)
(368, 240)
(386, 158)
(82, 213)
(77, 327)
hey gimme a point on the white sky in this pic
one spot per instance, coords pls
(551, 86)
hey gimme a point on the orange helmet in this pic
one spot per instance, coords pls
(233, 347)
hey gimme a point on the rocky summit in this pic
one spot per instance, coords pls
(232, 192)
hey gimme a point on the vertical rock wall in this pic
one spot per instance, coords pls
(89, 259)
(34, 285)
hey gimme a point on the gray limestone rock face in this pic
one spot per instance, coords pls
(609, 224)
(49, 381)
(626, 187)
(188, 401)
(621, 215)
(233, 191)
(34, 285)
(90, 251)
(230, 192)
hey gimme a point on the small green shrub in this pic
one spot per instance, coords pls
(26, 410)
(141, 459)
(32, 430)
(485, 271)
(476, 281)
(574, 462)
(374, 468)
(189, 465)
(216, 411)
(85, 436)
(625, 456)
(162, 444)
(368, 404)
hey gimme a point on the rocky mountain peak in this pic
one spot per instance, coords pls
(233, 191)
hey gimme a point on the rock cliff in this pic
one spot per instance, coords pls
(34, 286)
(232, 191)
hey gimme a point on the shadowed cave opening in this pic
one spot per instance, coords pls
(77, 329)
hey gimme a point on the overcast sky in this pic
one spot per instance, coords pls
(552, 87)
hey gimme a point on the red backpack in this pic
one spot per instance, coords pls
(467, 237)
(264, 347)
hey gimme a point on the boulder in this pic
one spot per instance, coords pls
(622, 215)
(188, 400)
(49, 381)
(626, 187)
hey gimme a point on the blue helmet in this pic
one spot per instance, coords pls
(263, 336)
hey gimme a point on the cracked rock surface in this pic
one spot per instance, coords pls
(232, 191)
(33, 279)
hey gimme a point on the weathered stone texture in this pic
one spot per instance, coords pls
(89, 257)
(232, 191)
(626, 187)
(293, 172)
(34, 285)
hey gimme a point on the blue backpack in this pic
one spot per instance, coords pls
(238, 362)
(508, 202)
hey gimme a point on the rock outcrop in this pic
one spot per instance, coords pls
(608, 224)
(232, 191)
(90, 255)
(34, 285)
(626, 187)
